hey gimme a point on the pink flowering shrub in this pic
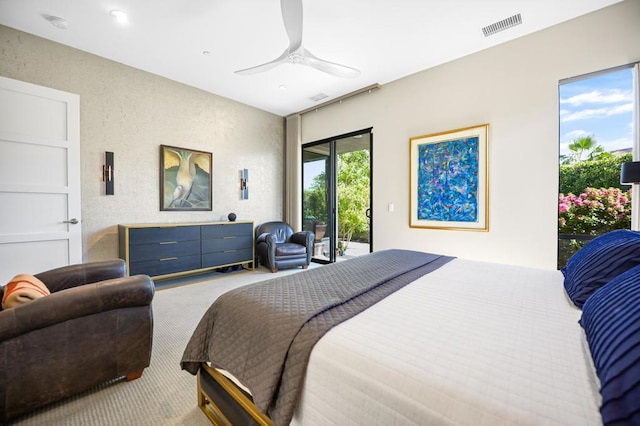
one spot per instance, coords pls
(594, 212)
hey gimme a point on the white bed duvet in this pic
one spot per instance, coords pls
(471, 343)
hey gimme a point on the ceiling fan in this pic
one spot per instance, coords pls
(296, 53)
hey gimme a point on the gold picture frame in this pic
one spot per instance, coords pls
(449, 180)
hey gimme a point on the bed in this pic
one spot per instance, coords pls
(461, 342)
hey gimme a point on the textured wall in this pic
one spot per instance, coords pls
(131, 113)
(514, 88)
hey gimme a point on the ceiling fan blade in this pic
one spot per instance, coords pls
(292, 18)
(266, 66)
(329, 67)
(296, 53)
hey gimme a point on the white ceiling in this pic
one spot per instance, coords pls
(384, 39)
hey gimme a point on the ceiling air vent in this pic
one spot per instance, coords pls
(319, 96)
(505, 24)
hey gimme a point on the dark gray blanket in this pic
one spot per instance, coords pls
(263, 333)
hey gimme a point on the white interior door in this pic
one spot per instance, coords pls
(39, 179)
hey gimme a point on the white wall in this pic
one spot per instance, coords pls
(132, 113)
(514, 88)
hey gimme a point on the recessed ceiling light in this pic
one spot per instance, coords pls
(283, 87)
(57, 21)
(120, 16)
(206, 52)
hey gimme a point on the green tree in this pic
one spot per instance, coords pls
(587, 146)
(315, 199)
(353, 194)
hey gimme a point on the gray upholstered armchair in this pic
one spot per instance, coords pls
(278, 247)
(95, 326)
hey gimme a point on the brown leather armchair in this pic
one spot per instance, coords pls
(277, 246)
(95, 326)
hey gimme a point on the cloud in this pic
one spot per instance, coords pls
(576, 134)
(586, 114)
(597, 97)
(623, 142)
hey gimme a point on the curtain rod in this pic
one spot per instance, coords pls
(367, 89)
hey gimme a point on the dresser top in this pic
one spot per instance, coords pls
(173, 225)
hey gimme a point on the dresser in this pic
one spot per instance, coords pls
(166, 250)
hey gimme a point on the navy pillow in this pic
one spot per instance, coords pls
(599, 261)
(611, 321)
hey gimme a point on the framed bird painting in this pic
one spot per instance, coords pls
(185, 179)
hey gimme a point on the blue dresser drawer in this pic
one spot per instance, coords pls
(163, 234)
(164, 250)
(165, 266)
(227, 257)
(227, 230)
(214, 245)
(158, 251)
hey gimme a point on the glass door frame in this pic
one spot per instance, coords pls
(332, 188)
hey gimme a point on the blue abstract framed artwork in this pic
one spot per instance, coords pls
(449, 179)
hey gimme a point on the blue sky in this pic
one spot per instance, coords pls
(311, 170)
(600, 106)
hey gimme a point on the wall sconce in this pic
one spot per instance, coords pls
(107, 173)
(244, 189)
(630, 173)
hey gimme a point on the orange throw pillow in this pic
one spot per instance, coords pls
(23, 288)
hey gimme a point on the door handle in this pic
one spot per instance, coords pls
(73, 221)
(368, 213)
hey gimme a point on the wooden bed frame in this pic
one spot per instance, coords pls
(224, 403)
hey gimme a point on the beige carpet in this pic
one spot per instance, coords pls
(164, 395)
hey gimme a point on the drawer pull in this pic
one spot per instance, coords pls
(168, 258)
(228, 238)
(169, 242)
(230, 251)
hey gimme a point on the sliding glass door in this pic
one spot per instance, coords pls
(336, 201)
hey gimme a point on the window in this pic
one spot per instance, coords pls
(598, 132)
